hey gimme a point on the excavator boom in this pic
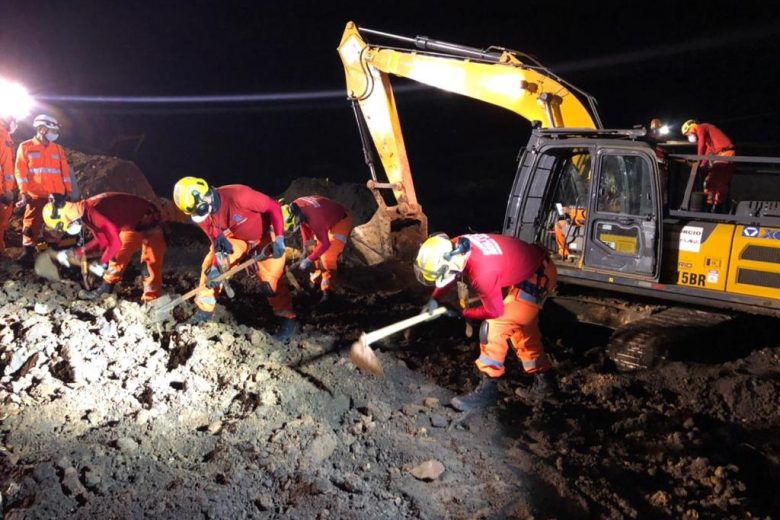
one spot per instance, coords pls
(496, 76)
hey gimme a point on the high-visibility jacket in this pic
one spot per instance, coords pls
(711, 140)
(6, 161)
(495, 262)
(320, 215)
(41, 169)
(109, 213)
(243, 213)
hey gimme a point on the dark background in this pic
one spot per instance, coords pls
(715, 61)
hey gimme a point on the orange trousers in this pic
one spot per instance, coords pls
(152, 245)
(5, 218)
(518, 326)
(328, 263)
(32, 223)
(717, 183)
(270, 273)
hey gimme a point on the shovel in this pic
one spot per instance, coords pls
(363, 357)
(45, 268)
(160, 309)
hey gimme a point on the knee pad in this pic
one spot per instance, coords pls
(483, 332)
(267, 290)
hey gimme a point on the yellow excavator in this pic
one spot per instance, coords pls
(616, 209)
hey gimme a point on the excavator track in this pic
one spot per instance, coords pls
(646, 342)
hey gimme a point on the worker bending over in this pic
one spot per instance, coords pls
(41, 170)
(7, 180)
(239, 223)
(120, 224)
(710, 140)
(512, 279)
(328, 224)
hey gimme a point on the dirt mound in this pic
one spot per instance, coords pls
(101, 173)
(355, 197)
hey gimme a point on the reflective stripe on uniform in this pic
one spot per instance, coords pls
(66, 180)
(208, 300)
(21, 181)
(491, 362)
(285, 314)
(55, 156)
(539, 362)
(45, 170)
(34, 155)
(340, 237)
(9, 177)
(152, 288)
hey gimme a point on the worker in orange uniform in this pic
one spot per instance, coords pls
(513, 279)
(120, 224)
(326, 222)
(239, 222)
(41, 170)
(7, 127)
(710, 140)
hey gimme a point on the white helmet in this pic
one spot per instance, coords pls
(45, 120)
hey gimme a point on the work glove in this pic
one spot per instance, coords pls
(63, 257)
(430, 306)
(304, 264)
(8, 198)
(223, 245)
(279, 247)
(211, 274)
(24, 199)
(97, 269)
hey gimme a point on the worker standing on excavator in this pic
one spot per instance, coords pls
(328, 224)
(239, 223)
(41, 170)
(7, 180)
(513, 279)
(120, 224)
(711, 140)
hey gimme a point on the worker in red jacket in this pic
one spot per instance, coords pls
(328, 224)
(710, 140)
(41, 170)
(240, 222)
(7, 180)
(513, 279)
(120, 224)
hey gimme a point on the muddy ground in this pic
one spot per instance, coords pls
(103, 415)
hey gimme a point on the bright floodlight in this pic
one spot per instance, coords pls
(14, 100)
(664, 130)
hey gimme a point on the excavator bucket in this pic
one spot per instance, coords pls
(393, 233)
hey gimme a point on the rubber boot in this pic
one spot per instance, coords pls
(483, 396)
(543, 388)
(200, 317)
(287, 330)
(325, 298)
(96, 293)
(27, 259)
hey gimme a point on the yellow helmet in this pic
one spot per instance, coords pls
(188, 196)
(291, 214)
(431, 265)
(63, 217)
(688, 126)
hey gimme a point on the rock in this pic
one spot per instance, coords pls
(126, 444)
(350, 483)
(264, 503)
(63, 462)
(428, 470)
(42, 308)
(43, 471)
(215, 427)
(431, 402)
(319, 449)
(439, 421)
(71, 482)
(91, 478)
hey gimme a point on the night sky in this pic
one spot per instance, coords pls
(714, 61)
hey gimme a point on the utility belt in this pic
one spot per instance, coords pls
(535, 288)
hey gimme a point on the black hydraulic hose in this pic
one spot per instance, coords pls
(368, 151)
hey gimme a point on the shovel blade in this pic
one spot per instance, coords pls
(45, 268)
(161, 308)
(364, 358)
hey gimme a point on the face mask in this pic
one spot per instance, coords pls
(199, 218)
(52, 137)
(692, 138)
(74, 228)
(12, 126)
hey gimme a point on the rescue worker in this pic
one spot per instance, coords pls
(238, 221)
(710, 140)
(7, 127)
(512, 279)
(120, 224)
(328, 224)
(41, 170)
